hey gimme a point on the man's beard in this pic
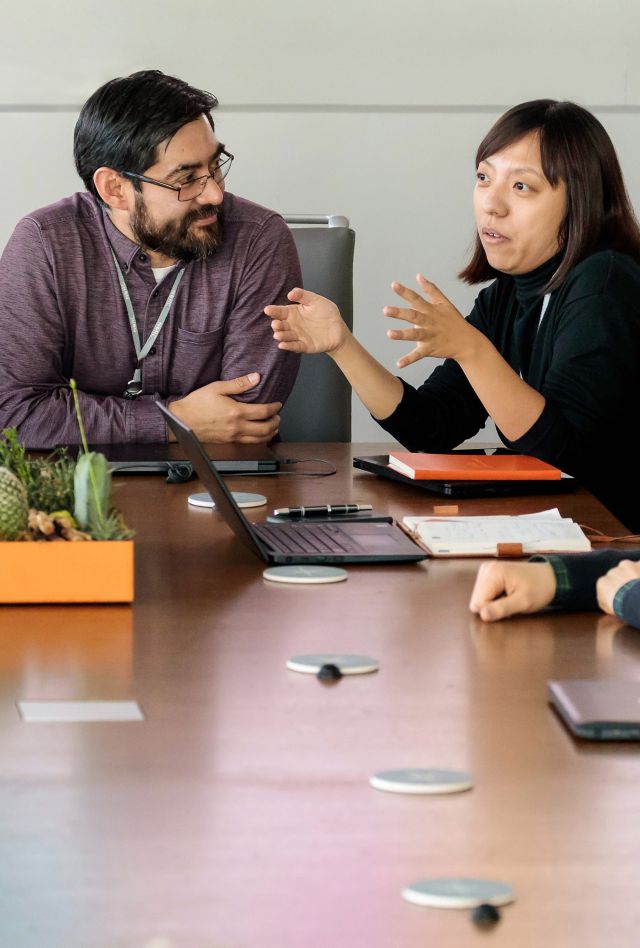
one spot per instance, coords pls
(177, 240)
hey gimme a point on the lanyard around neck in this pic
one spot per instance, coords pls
(134, 387)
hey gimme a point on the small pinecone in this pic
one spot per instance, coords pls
(14, 509)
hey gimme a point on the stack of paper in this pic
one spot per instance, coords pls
(545, 532)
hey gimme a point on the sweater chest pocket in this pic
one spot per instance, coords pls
(196, 359)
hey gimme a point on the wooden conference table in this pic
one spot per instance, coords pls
(238, 813)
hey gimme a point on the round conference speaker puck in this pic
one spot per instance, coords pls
(458, 893)
(422, 780)
(348, 664)
(305, 574)
(243, 500)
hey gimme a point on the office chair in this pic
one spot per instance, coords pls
(319, 407)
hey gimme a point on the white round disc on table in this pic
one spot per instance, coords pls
(458, 893)
(348, 664)
(305, 574)
(243, 500)
(422, 780)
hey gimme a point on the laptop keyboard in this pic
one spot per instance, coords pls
(306, 538)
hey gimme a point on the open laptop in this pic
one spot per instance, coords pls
(294, 541)
(379, 464)
(163, 458)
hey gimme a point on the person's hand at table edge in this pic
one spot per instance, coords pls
(612, 582)
(505, 589)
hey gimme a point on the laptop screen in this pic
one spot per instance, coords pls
(216, 487)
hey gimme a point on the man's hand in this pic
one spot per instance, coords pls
(311, 324)
(214, 415)
(438, 328)
(504, 589)
(609, 584)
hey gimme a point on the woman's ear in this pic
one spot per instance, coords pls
(112, 188)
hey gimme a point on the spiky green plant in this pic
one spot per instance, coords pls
(14, 508)
(92, 490)
(48, 481)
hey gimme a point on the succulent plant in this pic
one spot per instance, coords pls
(48, 481)
(37, 495)
(92, 490)
(14, 507)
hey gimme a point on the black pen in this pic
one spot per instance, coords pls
(320, 511)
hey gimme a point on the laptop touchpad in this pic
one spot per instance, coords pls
(375, 536)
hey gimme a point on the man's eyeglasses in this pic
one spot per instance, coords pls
(192, 189)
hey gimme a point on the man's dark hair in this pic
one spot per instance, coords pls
(123, 122)
(576, 149)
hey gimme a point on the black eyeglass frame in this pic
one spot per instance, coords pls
(225, 166)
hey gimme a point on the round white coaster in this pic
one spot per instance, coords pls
(421, 780)
(243, 500)
(348, 664)
(305, 574)
(458, 893)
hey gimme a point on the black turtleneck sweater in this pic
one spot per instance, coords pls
(584, 358)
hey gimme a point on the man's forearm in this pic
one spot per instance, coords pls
(48, 418)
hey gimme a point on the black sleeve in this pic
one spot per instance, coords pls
(577, 574)
(627, 603)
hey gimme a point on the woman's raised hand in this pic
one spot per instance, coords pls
(438, 329)
(310, 323)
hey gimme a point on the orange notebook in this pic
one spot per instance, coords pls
(472, 467)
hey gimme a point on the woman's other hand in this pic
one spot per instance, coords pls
(310, 324)
(609, 584)
(438, 328)
(504, 589)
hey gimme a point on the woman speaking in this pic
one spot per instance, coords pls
(551, 348)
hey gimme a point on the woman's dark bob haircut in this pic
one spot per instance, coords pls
(575, 149)
(123, 122)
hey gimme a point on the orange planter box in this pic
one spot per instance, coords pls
(95, 571)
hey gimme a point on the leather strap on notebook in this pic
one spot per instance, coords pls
(597, 536)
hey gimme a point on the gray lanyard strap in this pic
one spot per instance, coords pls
(155, 332)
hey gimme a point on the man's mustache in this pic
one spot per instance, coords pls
(207, 211)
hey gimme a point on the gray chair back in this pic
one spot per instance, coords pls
(319, 407)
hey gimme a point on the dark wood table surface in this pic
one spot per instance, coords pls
(239, 812)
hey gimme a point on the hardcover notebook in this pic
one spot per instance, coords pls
(297, 542)
(545, 532)
(379, 464)
(598, 710)
(472, 467)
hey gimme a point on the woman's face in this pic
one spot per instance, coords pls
(518, 213)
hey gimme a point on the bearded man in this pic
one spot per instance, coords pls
(148, 287)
